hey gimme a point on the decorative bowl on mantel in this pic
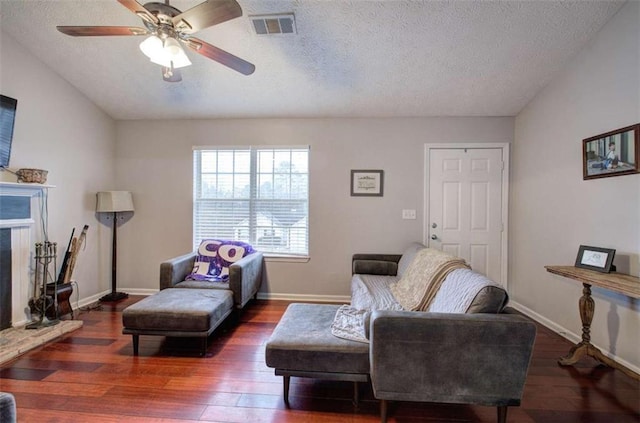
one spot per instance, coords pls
(38, 176)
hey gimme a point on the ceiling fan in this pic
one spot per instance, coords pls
(168, 28)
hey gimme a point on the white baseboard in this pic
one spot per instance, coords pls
(143, 292)
(343, 299)
(95, 298)
(567, 334)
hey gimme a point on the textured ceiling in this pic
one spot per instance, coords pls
(348, 59)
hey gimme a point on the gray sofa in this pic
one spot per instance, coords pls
(478, 356)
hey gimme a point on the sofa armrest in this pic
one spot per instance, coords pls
(7, 407)
(174, 271)
(375, 264)
(245, 278)
(450, 358)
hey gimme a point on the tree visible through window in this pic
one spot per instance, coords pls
(256, 195)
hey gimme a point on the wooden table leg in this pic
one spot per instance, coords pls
(587, 309)
(585, 347)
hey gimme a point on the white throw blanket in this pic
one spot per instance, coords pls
(372, 292)
(419, 284)
(458, 291)
(349, 324)
(455, 295)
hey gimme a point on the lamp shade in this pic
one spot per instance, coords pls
(151, 47)
(114, 201)
(172, 47)
(167, 53)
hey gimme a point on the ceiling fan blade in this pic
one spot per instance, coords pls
(171, 75)
(206, 14)
(220, 56)
(139, 10)
(89, 31)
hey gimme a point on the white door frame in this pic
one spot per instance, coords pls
(505, 195)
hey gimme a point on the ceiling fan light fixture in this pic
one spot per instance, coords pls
(152, 47)
(180, 60)
(167, 53)
(172, 47)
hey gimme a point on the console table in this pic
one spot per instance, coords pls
(624, 284)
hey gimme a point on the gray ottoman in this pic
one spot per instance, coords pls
(302, 345)
(179, 312)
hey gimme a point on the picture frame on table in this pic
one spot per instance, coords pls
(367, 183)
(595, 258)
(614, 153)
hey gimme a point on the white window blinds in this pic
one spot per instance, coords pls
(253, 194)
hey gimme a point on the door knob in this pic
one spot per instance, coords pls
(434, 237)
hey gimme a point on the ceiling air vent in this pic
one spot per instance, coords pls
(274, 24)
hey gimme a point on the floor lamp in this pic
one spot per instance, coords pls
(114, 202)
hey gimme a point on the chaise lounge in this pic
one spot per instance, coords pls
(193, 308)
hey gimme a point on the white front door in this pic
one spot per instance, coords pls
(465, 207)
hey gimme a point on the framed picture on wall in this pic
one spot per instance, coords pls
(367, 183)
(595, 258)
(612, 154)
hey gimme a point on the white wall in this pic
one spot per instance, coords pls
(57, 128)
(154, 161)
(553, 210)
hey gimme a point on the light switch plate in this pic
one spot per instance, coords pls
(408, 214)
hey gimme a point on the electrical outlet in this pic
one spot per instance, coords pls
(408, 214)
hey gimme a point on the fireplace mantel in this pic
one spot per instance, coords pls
(15, 189)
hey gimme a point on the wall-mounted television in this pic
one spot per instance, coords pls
(7, 120)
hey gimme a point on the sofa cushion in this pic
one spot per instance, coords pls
(202, 284)
(407, 257)
(490, 299)
(214, 258)
(375, 267)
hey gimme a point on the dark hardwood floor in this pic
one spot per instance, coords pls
(91, 375)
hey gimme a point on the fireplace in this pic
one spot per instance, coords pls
(19, 205)
(5, 278)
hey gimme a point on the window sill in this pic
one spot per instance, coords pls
(285, 259)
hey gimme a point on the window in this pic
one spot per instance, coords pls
(256, 195)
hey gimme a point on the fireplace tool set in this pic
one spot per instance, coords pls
(46, 253)
(51, 299)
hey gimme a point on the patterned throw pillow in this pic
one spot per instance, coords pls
(214, 258)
